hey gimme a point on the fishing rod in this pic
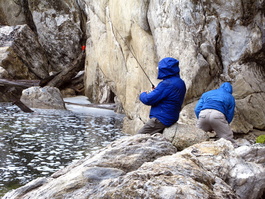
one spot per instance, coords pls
(132, 52)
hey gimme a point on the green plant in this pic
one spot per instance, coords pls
(261, 139)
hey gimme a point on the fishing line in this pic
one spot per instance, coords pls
(132, 52)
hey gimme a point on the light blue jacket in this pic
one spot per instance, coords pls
(220, 99)
(167, 98)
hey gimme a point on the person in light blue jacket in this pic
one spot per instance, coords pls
(166, 99)
(215, 111)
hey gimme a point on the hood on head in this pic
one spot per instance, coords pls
(168, 67)
(227, 86)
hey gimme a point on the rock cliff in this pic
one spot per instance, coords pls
(214, 41)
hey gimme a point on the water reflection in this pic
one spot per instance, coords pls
(38, 144)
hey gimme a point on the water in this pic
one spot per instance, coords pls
(38, 144)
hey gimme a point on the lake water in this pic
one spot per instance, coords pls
(38, 144)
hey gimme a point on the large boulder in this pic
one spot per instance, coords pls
(59, 29)
(21, 55)
(144, 166)
(58, 25)
(43, 98)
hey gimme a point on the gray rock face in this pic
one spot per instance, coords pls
(12, 13)
(43, 98)
(214, 41)
(58, 26)
(20, 59)
(144, 166)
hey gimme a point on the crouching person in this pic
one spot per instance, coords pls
(215, 111)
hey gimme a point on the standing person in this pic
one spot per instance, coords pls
(215, 111)
(166, 99)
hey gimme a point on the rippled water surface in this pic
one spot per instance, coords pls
(39, 143)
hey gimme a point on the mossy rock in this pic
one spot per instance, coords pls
(261, 139)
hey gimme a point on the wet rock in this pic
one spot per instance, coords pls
(29, 187)
(144, 166)
(44, 98)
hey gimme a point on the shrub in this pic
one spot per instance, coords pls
(261, 139)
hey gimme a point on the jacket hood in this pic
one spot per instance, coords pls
(168, 67)
(227, 86)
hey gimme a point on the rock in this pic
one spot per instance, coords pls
(3, 73)
(84, 177)
(12, 13)
(22, 60)
(68, 92)
(183, 136)
(247, 176)
(59, 27)
(43, 98)
(144, 166)
(239, 171)
(29, 187)
(187, 115)
(252, 153)
(40, 37)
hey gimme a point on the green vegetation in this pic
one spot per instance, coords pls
(261, 139)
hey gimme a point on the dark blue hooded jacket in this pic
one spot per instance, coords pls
(220, 99)
(167, 98)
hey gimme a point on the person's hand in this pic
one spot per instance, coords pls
(149, 91)
(153, 88)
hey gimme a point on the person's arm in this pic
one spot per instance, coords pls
(155, 95)
(231, 110)
(198, 107)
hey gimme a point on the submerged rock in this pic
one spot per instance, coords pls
(144, 166)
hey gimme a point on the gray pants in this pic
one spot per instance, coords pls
(152, 126)
(213, 120)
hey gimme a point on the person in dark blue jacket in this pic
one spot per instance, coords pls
(166, 99)
(215, 111)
